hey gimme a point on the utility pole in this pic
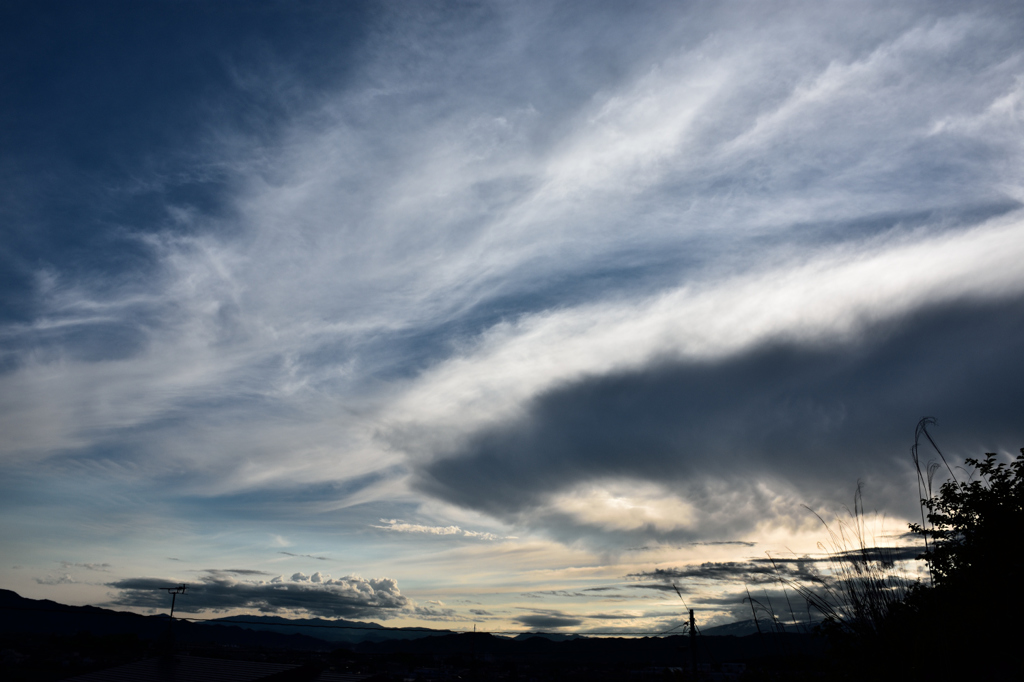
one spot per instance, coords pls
(693, 644)
(472, 659)
(174, 592)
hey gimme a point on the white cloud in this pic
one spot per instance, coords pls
(365, 224)
(398, 526)
(829, 296)
(87, 566)
(623, 506)
(62, 579)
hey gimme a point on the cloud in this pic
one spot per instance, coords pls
(307, 556)
(398, 526)
(773, 569)
(725, 142)
(662, 587)
(434, 610)
(348, 597)
(89, 567)
(64, 579)
(617, 593)
(714, 543)
(551, 620)
(704, 448)
(753, 572)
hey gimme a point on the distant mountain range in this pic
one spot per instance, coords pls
(19, 615)
(553, 636)
(338, 630)
(352, 631)
(44, 640)
(744, 628)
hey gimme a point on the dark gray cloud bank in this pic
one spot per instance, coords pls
(552, 620)
(348, 597)
(777, 569)
(813, 419)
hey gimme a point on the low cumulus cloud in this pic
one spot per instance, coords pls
(316, 595)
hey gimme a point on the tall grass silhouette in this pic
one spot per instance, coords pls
(864, 581)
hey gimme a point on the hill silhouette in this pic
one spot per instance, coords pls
(22, 616)
(46, 640)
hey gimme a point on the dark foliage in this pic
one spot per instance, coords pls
(975, 559)
(974, 524)
(965, 624)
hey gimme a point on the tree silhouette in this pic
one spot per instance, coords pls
(967, 622)
(974, 526)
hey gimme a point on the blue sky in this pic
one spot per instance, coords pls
(487, 312)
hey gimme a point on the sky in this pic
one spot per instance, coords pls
(499, 314)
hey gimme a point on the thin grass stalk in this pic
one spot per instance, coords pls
(754, 613)
(863, 585)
